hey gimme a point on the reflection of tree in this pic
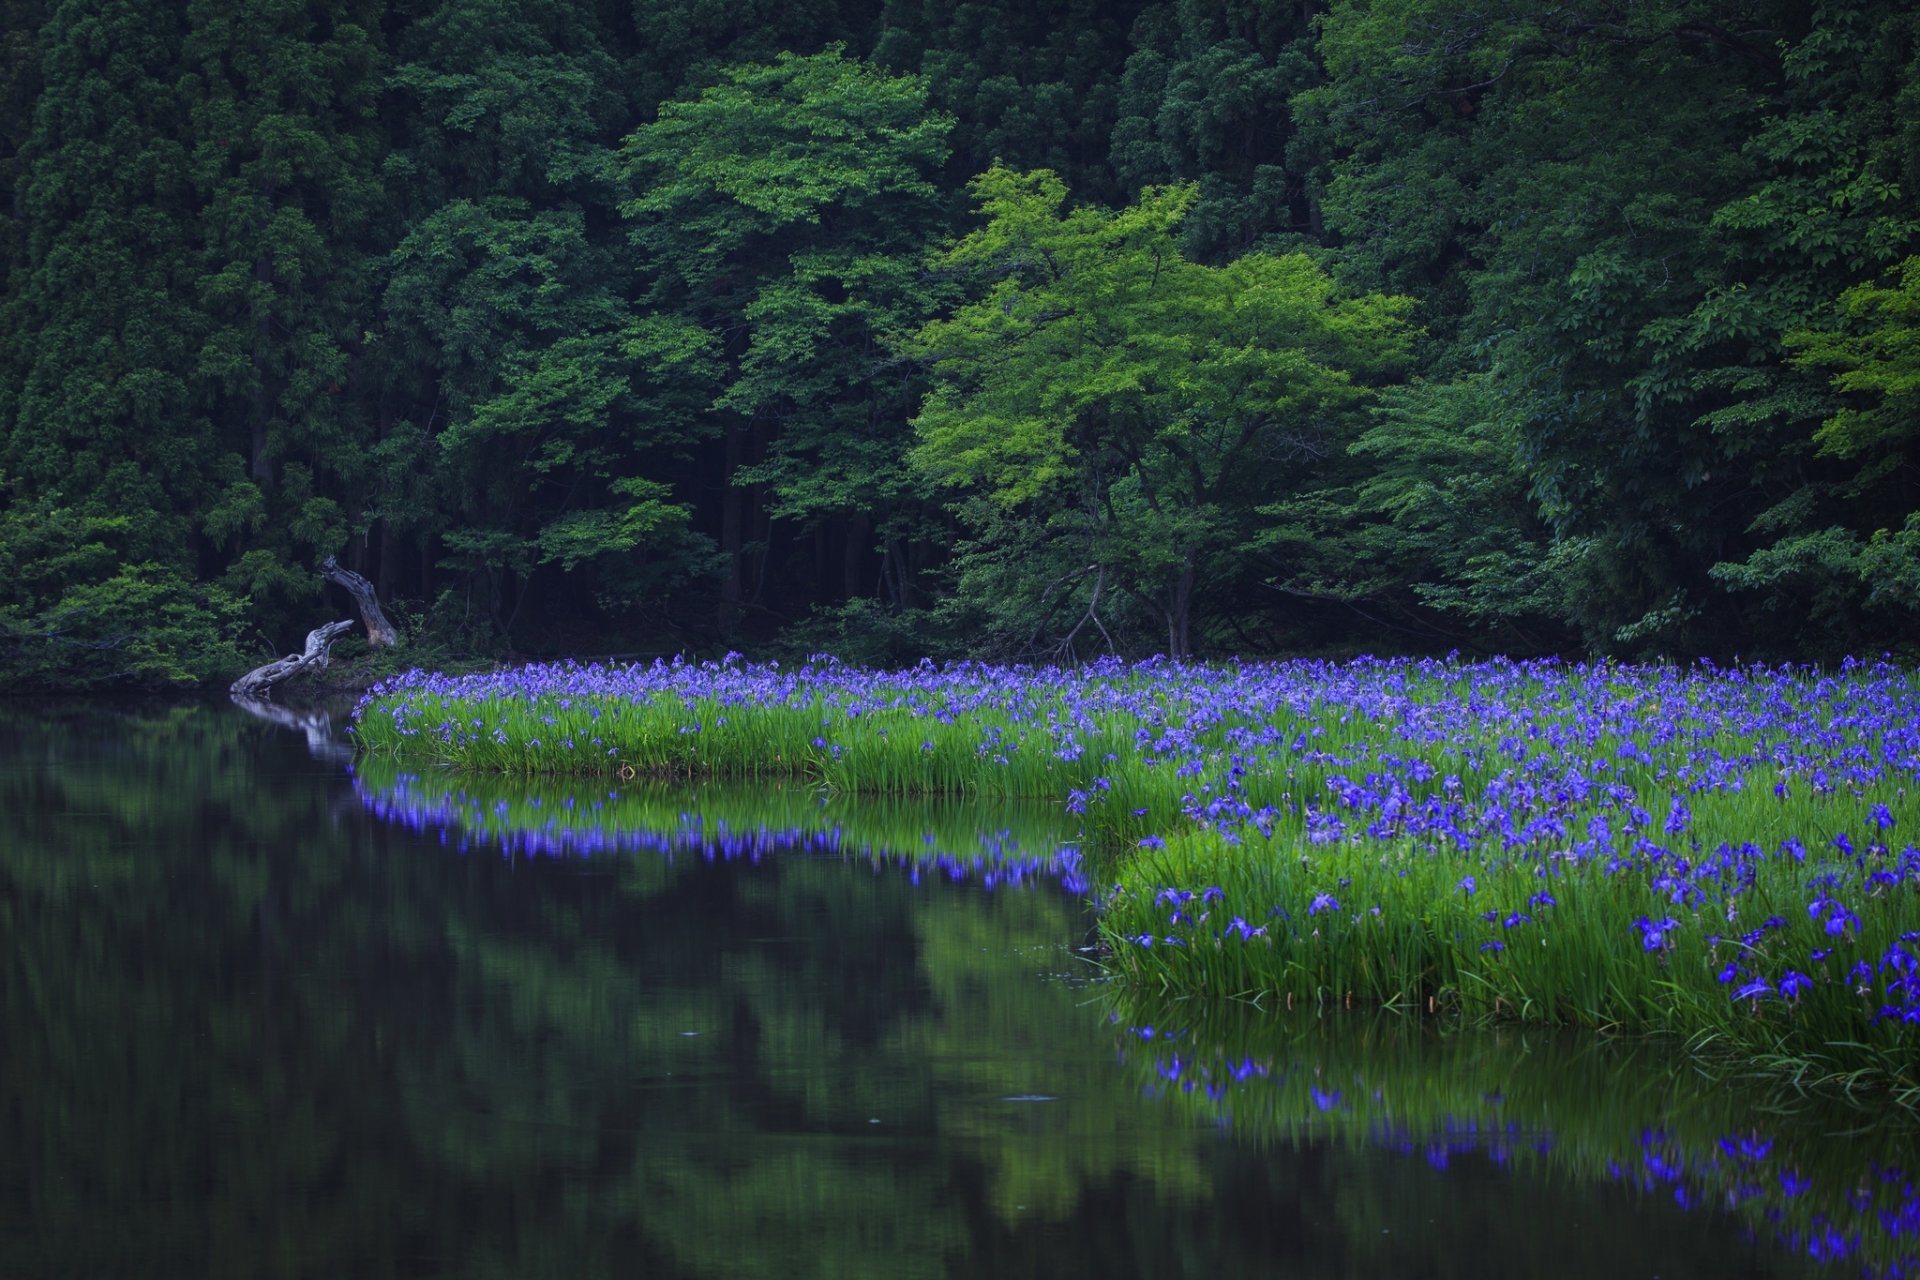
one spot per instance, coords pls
(248, 1035)
(246, 1030)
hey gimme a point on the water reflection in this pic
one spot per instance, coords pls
(993, 843)
(318, 725)
(1804, 1175)
(251, 1026)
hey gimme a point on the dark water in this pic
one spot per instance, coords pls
(259, 1017)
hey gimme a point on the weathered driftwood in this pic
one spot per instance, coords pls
(380, 632)
(259, 682)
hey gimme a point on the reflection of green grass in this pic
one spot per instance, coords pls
(585, 816)
(1818, 1177)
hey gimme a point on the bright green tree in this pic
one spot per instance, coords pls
(1135, 404)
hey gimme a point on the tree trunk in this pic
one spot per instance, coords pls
(853, 558)
(258, 467)
(733, 516)
(1180, 611)
(259, 682)
(380, 632)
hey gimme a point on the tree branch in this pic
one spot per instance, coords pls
(259, 682)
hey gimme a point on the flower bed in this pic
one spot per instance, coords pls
(1723, 853)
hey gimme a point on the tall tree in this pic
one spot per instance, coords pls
(1035, 86)
(783, 211)
(1859, 574)
(281, 96)
(1134, 403)
(533, 409)
(1617, 212)
(1819, 285)
(109, 456)
(1204, 99)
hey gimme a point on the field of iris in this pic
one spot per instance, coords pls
(1722, 853)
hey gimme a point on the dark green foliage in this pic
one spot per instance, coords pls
(589, 326)
(107, 448)
(782, 214)
(1427, 531)
(1205, 99)
(1036, 86)
(1618, 212)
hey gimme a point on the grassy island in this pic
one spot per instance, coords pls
(1725, 854)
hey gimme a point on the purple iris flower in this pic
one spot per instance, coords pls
(1653, 933)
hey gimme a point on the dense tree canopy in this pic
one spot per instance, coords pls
(1136, 405)
(896, 328)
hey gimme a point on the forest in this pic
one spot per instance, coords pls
(899, 328)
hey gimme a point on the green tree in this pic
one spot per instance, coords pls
(529, 453)
(1617, 213)
(1870, 563)
(1829, 547)
(1204, 99)
(281, 98)
(109, 457)
(1035, 86)
(783, 212)
(1136, 404)
(1426, 528)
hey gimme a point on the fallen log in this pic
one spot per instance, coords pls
(380, 632)
(259, 682)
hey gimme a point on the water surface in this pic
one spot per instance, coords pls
(260, 1016)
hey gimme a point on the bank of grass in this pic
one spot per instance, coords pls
(1755, 975)
(1718, 854)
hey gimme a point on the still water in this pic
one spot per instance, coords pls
(263, 1016)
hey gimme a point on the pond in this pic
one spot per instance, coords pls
(262, 1015)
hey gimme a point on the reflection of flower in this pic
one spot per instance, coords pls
(1870, 1220)
(528, 823)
